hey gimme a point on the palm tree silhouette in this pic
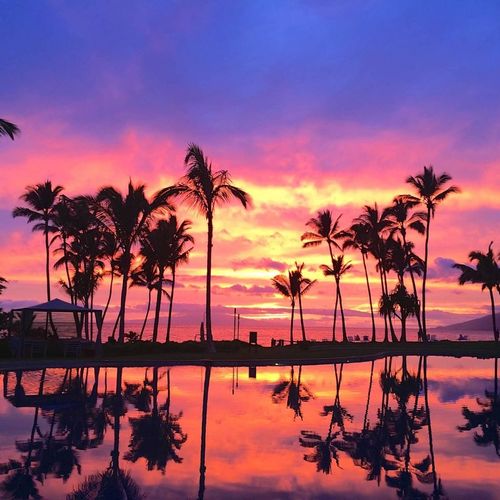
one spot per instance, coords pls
(288, 286)
(324, 228)
(486, 273)
(155, 248)
(127, 217)
(338, 269)
(3, 284)
(303, 286)
(376, 224)
(430, 193)
(358, 237)
(205, 189)
(41, 200)
(401, 220)
(144, 276)
(178, 254)
(8, 128)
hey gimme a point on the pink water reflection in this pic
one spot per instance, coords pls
(291, 432)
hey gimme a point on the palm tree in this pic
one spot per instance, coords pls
(203, 439)
(401, 304)
(41, 200)
(8, 128)
(338, 269)
(144, 276)
(376, 224)
(430, 193)
(205, 189)
(486, 273)
(178, 254)
(287, 286)
(324, 228)
(358, 237)
(401, 220)
(127, 218)
(303, 286)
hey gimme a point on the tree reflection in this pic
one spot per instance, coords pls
(486, 419)
(385, 448)
(157, 436)
(294, 392)
(325, 451)
(112, 483)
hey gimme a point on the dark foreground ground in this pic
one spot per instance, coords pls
(234, 353)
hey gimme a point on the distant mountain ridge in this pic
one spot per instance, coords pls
(483, 323)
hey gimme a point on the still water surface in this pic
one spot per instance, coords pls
(411, 428)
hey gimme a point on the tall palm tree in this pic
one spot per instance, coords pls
(430, 193)
(338, 269)
(203, 440)
(358, 237)
(41, 200)
(486, 273)
(180, 247)
(204, 189)
(155, 249)
(127, 217)
(325, 229)
(8, 128)
(303, 285)
(288, 286)
(376, 224)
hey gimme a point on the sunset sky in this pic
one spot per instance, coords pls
(310, 105)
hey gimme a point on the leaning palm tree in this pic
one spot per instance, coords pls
(339, 268)
(287, 286)
(204, 189)
(430, 193)
(324, 228)
(41, 200)
(127, 218)
(144, 277)
(8, 128)
(486, 273)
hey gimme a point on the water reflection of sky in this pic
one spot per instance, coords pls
(265, 436)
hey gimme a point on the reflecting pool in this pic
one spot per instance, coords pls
(405, 427)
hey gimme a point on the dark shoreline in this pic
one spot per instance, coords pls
(238, 353)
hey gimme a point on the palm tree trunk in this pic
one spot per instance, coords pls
(208, 304)
(147, 314)
(369, 296)
(291, 322)
(403, 329)
(493, 315)
(203, 445)
(158, 305)
(302, 318)
(110, 293)
(424, 278)
(414, 285)
(335, 312)
(391, 326)
(171, 303)
(115, 453)
(47, 259)
(66, 267)
(386, 328)
(344, 331)
(123, 298)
